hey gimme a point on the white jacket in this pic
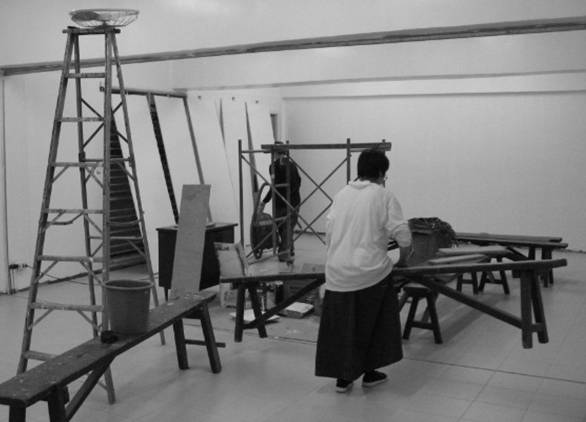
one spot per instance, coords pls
(362, 218)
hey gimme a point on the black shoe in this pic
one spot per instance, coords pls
(343, 386)
(373, 378)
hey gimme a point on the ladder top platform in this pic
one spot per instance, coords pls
(99, 30)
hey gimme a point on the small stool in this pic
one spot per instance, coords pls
(473, 280)
(429, 319)
(488, 277)
(491, 252)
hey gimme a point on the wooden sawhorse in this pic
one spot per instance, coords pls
(49, 380)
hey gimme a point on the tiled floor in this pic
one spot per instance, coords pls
(480, 374)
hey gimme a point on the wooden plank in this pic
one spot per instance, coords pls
(532, 26)
(457, 259)
(494, 250)
(539, 265)
(513, 240)
(190, 239)
(261, 132)
(206, 125)
(234, 129)
(414, 271)
(483, 235)
(386, 146)
(145, 92)
(34, 384)
(272, 277)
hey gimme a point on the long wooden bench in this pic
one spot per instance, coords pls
(49, 380)
(547, 244)
(532, 318)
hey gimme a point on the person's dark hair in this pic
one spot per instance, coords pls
(372, 164)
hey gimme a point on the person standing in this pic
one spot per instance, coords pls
(284, 170)
(360, 329)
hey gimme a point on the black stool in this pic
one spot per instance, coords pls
(488, 277)
(473, 280)
(429, 319)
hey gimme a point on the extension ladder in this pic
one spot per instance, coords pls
(99, 168)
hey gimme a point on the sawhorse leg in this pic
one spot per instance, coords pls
(210, 339)
(56, 403)
(538, 310)
(256, 308)
(546, 253)
(17, 414)
(532, 306)
(239, 328)
(180, 347)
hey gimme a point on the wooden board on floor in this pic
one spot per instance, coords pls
(190, 239)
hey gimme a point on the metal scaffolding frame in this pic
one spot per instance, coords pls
(247, 156)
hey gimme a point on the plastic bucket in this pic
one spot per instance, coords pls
(127, 302)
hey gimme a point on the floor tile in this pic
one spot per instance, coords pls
(544, 417)
(557, 405)
(519, 399)
(486, 412)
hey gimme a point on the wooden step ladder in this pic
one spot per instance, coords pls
(99, 182)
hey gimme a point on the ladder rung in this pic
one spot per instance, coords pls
(115, 197)
(119, 187)
(121, 250)
(93, 163)
(66, 306)
(87, 75)
(125, 238)
(125, 223)
(31, 354)
(69, 258)
(81, 119)
(122, 211)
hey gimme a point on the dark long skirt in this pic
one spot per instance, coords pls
(359, 331)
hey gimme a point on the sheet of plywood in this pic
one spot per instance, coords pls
(190, 239)
(151, 180)
(208, 136)
(178, 146)
(234, 127)
(261, 133)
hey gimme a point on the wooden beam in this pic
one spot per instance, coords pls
(146, 92)
(534, 26)
(353, 146)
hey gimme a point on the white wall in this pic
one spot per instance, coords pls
(499, 161)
